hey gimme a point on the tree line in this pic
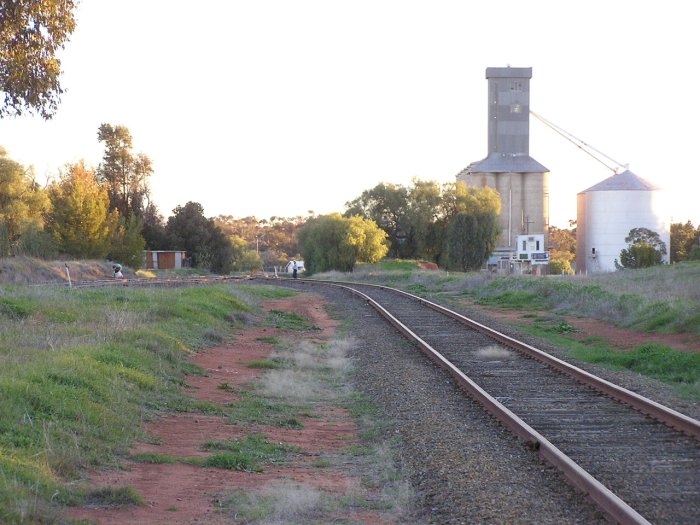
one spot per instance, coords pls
(107, 211)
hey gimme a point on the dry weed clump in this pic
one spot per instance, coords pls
(495, 352)
(314, 372)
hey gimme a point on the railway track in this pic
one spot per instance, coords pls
(637, 460)
(194, 280)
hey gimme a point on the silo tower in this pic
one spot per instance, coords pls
(522, 182)
(608, 211)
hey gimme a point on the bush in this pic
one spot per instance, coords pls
(560, 267)
(694, 254)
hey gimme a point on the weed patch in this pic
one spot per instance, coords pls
(118, 497)
(255, 409)
(249, 454)
(271, 340)
(289, 321)
(270, 364)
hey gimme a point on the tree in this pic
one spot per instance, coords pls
(31, 33)
(218, 250)
(387, 205)
(683, 238)
(273, 240)
(367, 239)
(22, 204)
(458, 198)
(124, 174)
(207, 246)
(334, 242)
(645, 248)
(470, 240)
(244, 259)
(562, 250)
(79, 218)
(153, 230)
(424, 206)
(127, 242)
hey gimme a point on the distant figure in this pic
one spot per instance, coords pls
(294, 269)
(117, 271)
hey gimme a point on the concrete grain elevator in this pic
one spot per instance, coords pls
(522, 182)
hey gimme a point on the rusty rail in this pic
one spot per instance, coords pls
(605, 499)
(647, 406)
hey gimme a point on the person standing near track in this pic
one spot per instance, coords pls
(117, 271)
(294, 269)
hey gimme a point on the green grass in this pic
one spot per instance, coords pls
(81, 369)
(249, 454)
(255, 409)
(269, 292)
(114, 497)
(289, 321)
(651, 359)
(679, 369)
(269, 364)
(270, 340)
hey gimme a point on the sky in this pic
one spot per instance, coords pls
(280, 108)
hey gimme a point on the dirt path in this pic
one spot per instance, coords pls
(184, 494)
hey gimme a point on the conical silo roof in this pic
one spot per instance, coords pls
(623, 181)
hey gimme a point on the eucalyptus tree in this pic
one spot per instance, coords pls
(387, 205)
(644, 248)
(205, 243)
(683, 238)
(79, 219)
(31, 34)
(424, 208)
(471, 238)
(22, 204)
(124, 173)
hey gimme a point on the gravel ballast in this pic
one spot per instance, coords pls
(464, 467)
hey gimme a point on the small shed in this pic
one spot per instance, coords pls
(164, 259)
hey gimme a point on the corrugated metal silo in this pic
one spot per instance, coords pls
(522, 182)
(608, 211)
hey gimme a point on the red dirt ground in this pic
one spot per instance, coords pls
(620, 338)
(185, 494)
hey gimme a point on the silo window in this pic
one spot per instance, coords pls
(524, 245)
(516, 86)
(593, 251)
(538, 246)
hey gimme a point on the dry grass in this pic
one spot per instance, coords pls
(315, 372)
(28, 270)
(495, 352)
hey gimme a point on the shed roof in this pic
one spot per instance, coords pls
(623, 181)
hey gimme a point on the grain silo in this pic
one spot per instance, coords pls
(608, 211)
(522, 182)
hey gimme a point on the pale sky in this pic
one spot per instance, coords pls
(275, 108)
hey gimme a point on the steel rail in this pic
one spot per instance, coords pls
(645, 405)
(157, 281)
(661, 413)
(607, 501)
